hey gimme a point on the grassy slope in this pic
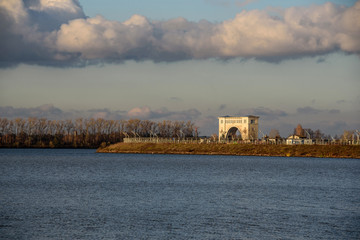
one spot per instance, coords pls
(335, 151)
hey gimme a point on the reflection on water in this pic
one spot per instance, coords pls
(77, 194)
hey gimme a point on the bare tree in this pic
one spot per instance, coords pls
(132, 126)
(348, 135)
(318, 135)
(274, 133)
(145, 128)
(299, 131)
(189, 129)
(85, 132)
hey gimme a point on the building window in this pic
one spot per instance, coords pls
(252, 121)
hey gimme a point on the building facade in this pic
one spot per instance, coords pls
(297, 140)
(247, 126)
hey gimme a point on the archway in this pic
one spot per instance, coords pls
(234, 134)
(244, 128)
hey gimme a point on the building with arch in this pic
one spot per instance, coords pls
(248, 127)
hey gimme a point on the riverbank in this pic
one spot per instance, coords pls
(321, 151)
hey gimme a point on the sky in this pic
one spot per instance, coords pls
(289, 62)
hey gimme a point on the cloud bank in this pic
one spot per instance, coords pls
(57, 32)
(208, 125)
(265, 113)
(311, 110)
(49, 111)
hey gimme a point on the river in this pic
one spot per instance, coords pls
(80, 194)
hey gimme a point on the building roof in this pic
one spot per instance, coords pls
(294, 136)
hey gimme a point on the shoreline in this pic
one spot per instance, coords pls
(316, 151)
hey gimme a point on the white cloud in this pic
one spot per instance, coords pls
(14, 9)
(299, 31)
(147, 113)
(95, 38)
(59, 33)
(62, 5)
(139, 112)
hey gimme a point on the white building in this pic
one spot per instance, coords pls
(247, 126)
(297, 140)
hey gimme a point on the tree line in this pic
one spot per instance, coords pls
(302, 132)
(348, 135)
(86, 133)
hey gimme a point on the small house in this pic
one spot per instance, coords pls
(298, 140)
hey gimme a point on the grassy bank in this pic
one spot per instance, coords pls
(328, 151)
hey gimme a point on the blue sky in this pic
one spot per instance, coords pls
(155, 65)
(193, 10)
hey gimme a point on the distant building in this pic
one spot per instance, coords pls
(247, 126)
(275, 140)
(298, 140)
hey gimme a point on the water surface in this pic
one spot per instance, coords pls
(78, 194)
